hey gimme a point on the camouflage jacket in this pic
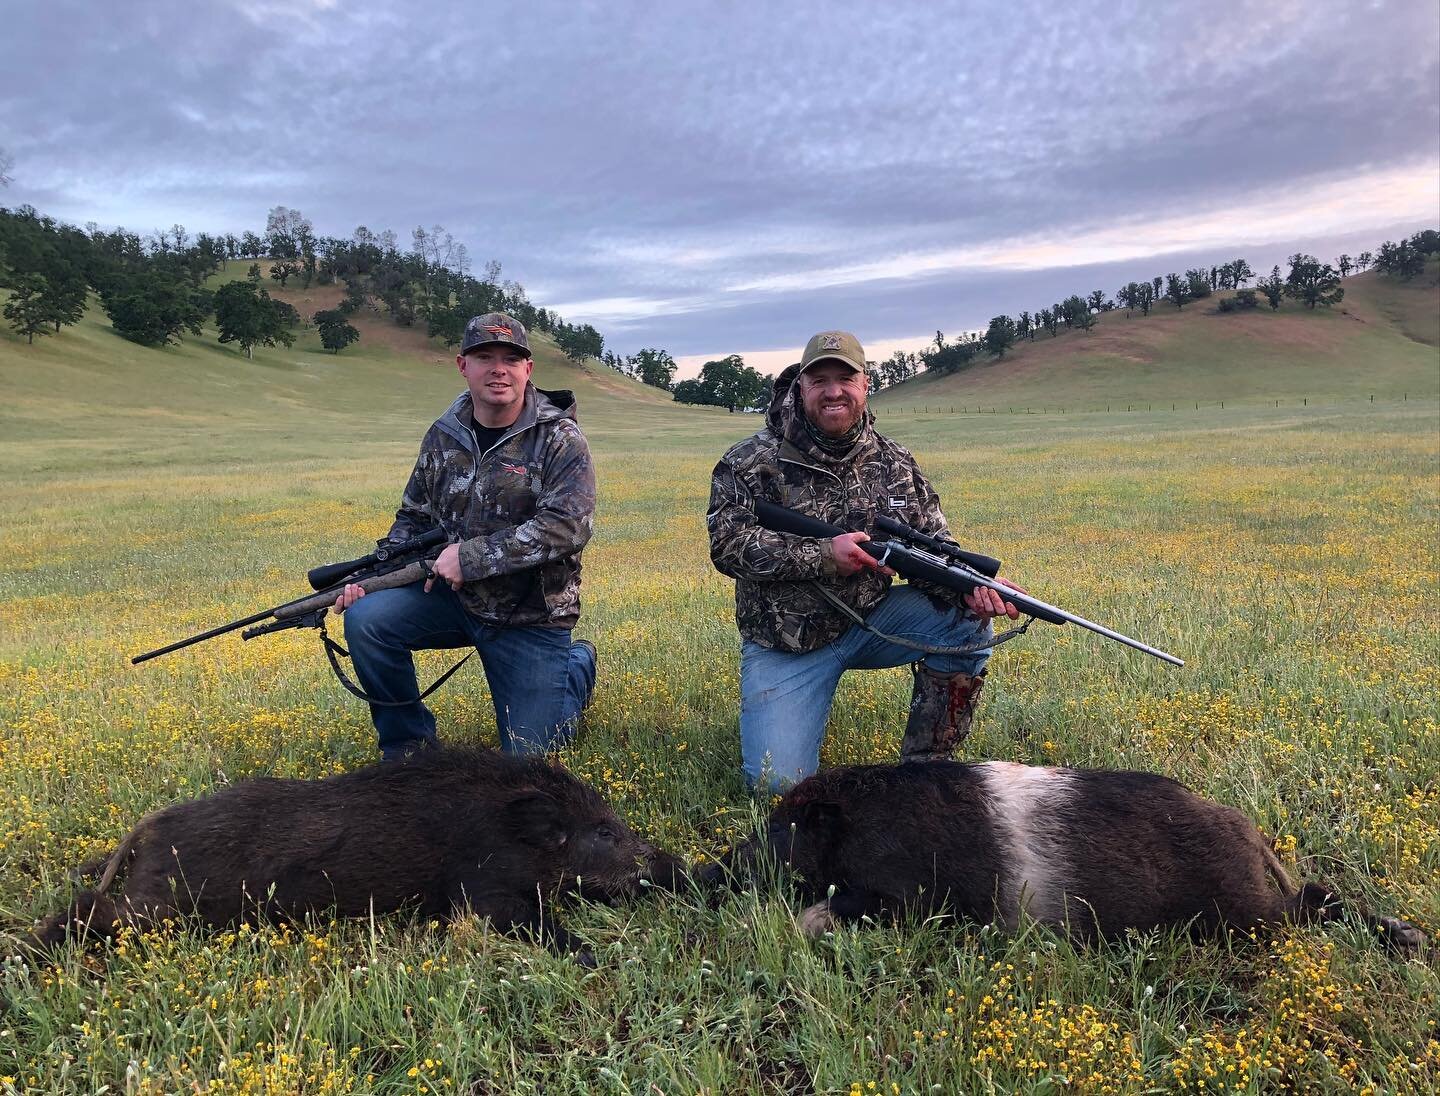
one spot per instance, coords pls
(776, 604)
(522, 510)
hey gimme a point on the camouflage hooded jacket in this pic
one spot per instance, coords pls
(776, 604)
(522, 510)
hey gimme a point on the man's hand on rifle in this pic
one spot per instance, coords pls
(986, 603)
(447, 567)
(851, 559)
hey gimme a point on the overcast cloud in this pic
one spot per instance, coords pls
(720, 178)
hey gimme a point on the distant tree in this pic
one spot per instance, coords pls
(1155, 287)
(253, 274)
(1000, 336)
(1072, 309)
(251, 246)
(153, 309)
(1363, 260)
(26, 309)
(1214, 278)
(283, 271)
(579, 343)
(730, 382)
(1346, 264)
(355, 297)
(335, 332)
(900, 366)
(284, 228)
(1128, 297)
(1273, 287)
(1023, 326)
(1082, 317)
(1199, 283)
(286, 313)
(946, 357)
(1096, 300)
(1426, 242)
(1144, 297)
(247, 315)
(1240, 273)
(1050, 321)
(1313, 282)
(1177, 290)
(654, 367)
(691, 391)
(65, 300)
(1400, 260)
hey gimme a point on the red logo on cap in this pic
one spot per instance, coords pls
(500, 329)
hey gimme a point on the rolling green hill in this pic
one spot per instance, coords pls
(1381, 339)
(86, 384)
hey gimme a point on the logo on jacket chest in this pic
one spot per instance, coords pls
(515, 469)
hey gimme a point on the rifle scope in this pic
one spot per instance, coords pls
(322, 578)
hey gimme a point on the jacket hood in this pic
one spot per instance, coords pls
(541, 405)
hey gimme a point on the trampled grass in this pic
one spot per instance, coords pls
(1288, 554)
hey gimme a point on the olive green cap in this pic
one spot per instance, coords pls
(840, 346)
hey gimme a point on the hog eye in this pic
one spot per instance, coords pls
(605, 833)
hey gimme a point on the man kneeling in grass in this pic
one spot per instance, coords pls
(820, 453)
(507, 474)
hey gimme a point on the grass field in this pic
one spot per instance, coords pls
(1287, 553)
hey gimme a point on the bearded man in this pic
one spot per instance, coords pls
(820, 454)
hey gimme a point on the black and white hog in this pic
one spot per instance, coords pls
(440, 834)
(1089, 852)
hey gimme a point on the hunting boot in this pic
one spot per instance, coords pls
(941, 709)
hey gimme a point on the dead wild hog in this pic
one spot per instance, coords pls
(442, 833)
(1090, 852)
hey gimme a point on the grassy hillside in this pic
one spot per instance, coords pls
(1381, 339)
(146, 406)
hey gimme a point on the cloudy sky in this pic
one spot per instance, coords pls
(719, 178)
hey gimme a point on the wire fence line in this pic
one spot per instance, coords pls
(1135, 405)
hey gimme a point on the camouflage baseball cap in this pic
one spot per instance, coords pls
(840, 346)
(495, 328)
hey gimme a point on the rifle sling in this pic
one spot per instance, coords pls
(926, 648)
(332, 649)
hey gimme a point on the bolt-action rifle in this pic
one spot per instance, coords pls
(394, 563)
(916, 555)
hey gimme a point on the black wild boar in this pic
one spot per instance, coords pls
(1090, 852)
(442, 833)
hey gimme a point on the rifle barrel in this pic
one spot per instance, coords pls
(1024, 602)
(211, 634)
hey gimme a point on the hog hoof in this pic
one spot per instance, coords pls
(817, 920)
(1400, 935)
(585, 958)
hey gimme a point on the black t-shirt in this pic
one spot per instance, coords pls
(486, 436)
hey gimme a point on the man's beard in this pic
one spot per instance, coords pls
(835, 444)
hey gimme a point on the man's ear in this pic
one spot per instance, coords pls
(536, 819)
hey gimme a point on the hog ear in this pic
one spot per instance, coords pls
(822, 817)
(537, 820)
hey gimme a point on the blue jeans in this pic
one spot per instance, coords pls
(539, 679)
(785, 698)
